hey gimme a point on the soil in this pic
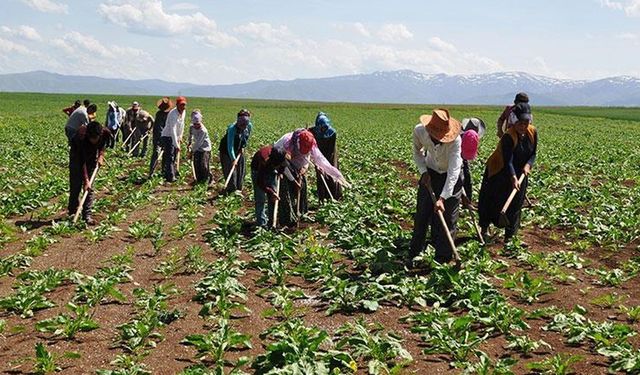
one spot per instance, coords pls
(99, 347)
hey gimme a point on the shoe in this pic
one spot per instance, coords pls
(90, 221)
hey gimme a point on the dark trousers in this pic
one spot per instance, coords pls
(466, 177)
(264, 218)
(425, 217)
(135, 138)
(157, 146)
(201, 166)
(76, 181)
(169, 159)
(126, 131)
(236, 181)
(111, 141)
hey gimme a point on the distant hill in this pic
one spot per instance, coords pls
(403, 86)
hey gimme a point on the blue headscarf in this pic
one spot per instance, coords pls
(231, 136)
(323, 128)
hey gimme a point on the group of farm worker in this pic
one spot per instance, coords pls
(442, 150)
(278, 171)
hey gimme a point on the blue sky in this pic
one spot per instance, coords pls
(219, 42)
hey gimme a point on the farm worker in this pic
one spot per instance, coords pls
(472, 130)
(325, 136)
(232, 147)
(200, 148)
(171, 137)
(127, 125)
(113, 121)
(514, 155)
(437, 148)
(506, 119)
(69, 110)
(142, 125)
(264, 168)
(164, 106)
(80, 117)
(87, 151)
(301, 148)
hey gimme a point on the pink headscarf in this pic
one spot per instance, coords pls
(470, 141)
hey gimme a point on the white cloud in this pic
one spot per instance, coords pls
(77, 43)
(394, 33)
(631, 7)
(12, 47)
(440, 45)
(357, 28)
(627, 36)
(149, 17)
(183, 6)
(23, 31)
(264, 32)
(47, 6)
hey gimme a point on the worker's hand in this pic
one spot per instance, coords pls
(515, 183)
(526, 169)
(87, 185)
(101, 160)
(439, 205)
(189, 154)
(178, 149)
(425, 179)
(466, 202)
(272, 195)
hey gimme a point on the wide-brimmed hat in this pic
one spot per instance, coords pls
(474, 123)
(164, 104)
(441, 126)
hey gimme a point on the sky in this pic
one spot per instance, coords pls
(223, 42)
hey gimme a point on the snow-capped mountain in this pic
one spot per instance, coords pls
(402, 86)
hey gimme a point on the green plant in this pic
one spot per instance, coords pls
(127, 365)
(559, 364)
(383, 352)
(529, 288)
(215, 345)
(46, 362)
(525, 345)
(67, 325)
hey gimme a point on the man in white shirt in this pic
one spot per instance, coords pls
(436, 152)
(172, 137)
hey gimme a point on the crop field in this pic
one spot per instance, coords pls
(174, 280)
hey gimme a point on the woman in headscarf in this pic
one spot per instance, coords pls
(472, 130)
(515, 155)
(232, 147)
(325, 136)
(300, 147)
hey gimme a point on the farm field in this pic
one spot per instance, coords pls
(175, 280)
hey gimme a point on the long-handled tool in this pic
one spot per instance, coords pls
(503, 220)
(193, 167)
(124, 144)
(233, 168)
(326, 186)
(277, 202)
(86, 193)
(137, 143)
(456, 255)
(177, 164)
(473, 220)
(298, 203)
(155, 163)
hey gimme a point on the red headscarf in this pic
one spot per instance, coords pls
(306, 141)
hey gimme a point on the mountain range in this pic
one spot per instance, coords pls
(402, 86)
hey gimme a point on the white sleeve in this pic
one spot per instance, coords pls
(453, 170)
(418, 151)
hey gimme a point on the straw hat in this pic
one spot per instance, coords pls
(441, 126)
(164, 104)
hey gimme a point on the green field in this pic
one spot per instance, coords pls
(172, 281)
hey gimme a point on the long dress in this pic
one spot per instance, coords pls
(329, 149)
(226, 160)
(508, 159)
